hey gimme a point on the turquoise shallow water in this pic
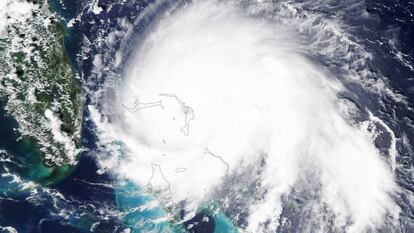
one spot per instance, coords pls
(26, 217)
(222, 223)
(133, 202)
(140, 211)
(24, 158)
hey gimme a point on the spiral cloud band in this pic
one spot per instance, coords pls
(214, 92)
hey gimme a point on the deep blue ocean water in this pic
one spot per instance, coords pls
(84, 190)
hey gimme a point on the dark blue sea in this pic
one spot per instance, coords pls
(86, 201)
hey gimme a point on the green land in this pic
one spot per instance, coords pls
(41, 93)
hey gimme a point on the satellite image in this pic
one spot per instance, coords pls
(206, 116)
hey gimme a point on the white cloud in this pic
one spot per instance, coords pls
(12, 11)
(252, 91)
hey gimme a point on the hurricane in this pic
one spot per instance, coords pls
(228, 116)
